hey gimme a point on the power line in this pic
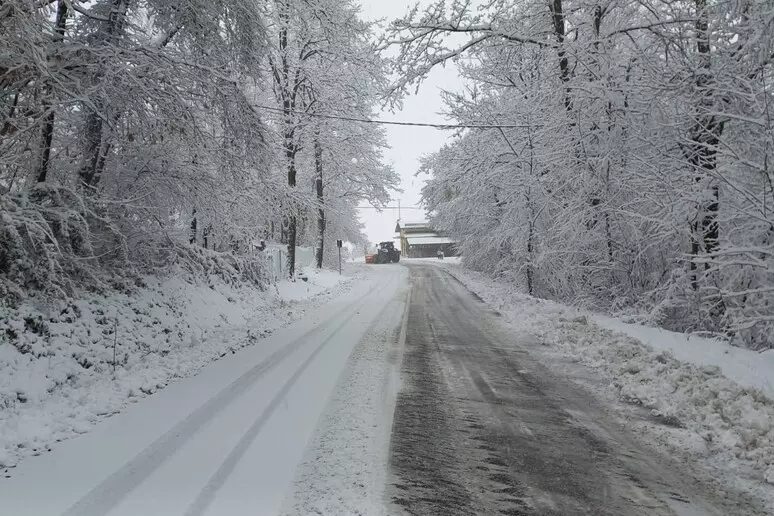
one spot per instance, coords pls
(391, 207)
(390, 122)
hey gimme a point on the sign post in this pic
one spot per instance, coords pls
(339, 243)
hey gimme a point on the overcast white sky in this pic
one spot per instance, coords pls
(408, 143)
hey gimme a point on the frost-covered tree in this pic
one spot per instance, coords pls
(136, 134)
(324, 70)
(127, 118)
(632, 171)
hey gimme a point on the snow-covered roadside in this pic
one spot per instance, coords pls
(753, 369)
(695, 409)
(56, 361)
(448, 260)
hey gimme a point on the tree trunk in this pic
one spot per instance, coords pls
(206, 236)
(192, 236)
(702, 150)
(530, 250)
(320, 200)
(530, 273)
(557, 17)
(91, 151)
(292, 228)
(8, 126)
(95, 149)
(290, 154)
(48, 136)
(292, 221)
(288, 95)
(48, 126)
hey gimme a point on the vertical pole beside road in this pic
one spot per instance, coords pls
(339, 244)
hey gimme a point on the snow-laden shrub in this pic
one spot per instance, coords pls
(230, 267)
(52, 238)
(45, 241)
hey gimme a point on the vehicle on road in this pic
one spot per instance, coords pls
(386, 253)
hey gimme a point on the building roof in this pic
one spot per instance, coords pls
(422, 234)
(428, 240)
(412, 224)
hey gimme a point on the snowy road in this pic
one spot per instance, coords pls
(227, 441)
(481, 428)
(399, 397)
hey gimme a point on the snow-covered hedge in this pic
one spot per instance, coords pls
(45, 240)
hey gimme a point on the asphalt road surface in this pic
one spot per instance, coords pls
(481, 428)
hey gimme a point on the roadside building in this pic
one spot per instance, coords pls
(419, 240)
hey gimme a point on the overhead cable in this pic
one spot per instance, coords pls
(394, 122)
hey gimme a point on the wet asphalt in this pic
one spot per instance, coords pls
(481, 427)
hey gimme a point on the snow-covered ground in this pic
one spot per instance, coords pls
(706, 399)
(448, 260)
(56, 361)
(754, 369)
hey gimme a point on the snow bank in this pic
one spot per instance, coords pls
(57, 376)
(754, 369)
(695, 408)
(310, 281)
(447, 260)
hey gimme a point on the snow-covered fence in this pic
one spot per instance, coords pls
(304, 257)
(277, 255)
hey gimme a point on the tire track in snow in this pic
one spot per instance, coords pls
(208, 492)
(345, 465)
(111, 491)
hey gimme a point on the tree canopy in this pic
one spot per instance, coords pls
(642, 182)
